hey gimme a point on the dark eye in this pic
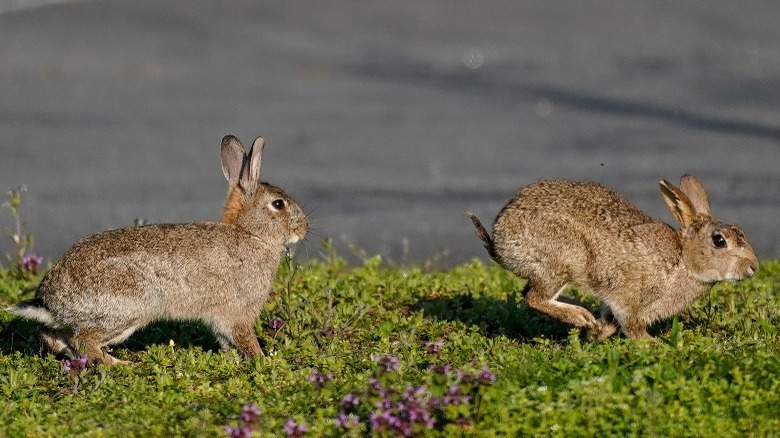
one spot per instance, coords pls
(718, 240)
(278, 204)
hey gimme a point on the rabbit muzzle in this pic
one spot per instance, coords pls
(742, 269)
(300, 228)
(751, 267)
(293, 239)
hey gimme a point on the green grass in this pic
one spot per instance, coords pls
(715, 373)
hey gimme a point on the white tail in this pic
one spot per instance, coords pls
(32, 309)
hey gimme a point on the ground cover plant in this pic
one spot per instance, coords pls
(352, 351)
(376, 350)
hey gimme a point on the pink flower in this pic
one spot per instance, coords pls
(350, 401)
(250, 414)
(318, 379)
(388, 362)
(276, 324)
(30, 263)
(345, 421)
(486, 377)
(75, 366)
(434, 347)
(238, 432)
(295, 430)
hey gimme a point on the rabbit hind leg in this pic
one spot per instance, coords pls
(635, 328)
(245, 340)
(239, 335)
(92, 341)
(54, 341)
(543, 296)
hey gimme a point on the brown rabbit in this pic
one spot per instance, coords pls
(110, 284)
(558, 232)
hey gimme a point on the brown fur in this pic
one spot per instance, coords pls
(112, 283)
(554, 233)
(233, 204)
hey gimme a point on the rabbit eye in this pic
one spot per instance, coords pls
(278, 204)
(718, 240)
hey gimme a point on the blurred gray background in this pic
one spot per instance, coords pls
(385, 119)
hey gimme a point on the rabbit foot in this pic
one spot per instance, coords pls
(572, 314)
(637, 330)
(96, 355)
(240, 336)
(111, 360)
(245, 340)
(601, 331)
(103, 357)
(90, 343)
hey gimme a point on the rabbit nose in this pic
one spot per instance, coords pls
(749, 266)
(752, 267)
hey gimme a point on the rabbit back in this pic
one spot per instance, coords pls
(571, 227)
(570, 202)
(160, 271)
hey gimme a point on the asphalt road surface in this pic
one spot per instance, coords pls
(386, 120)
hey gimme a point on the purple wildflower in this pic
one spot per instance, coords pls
(345, 421)
(413, 393)
(384, 403)
(439, 369)
(238, 432)
(381, 419)
(250, 419)
(293, 429)
(318, 379)
(388, 363)
(250, 414)
(276, 324)
(404, 428)
(434, 347)
(76, 366)
(414, 408)
(30, 263)
(374, 385)
(386, 421)
(455, 397)
(350, 401)
(419, 415)
(464, 378)
(486, 377)
(439, 373)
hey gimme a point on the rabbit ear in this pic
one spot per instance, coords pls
(255, 157)
(678, 203)
(232, 152)
(696, 194)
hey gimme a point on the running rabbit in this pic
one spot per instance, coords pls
(110, 284)
(558, 232)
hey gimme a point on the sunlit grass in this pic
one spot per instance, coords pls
(332, 329)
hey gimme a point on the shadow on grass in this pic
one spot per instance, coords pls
(495, 317)
(183, 334)
(18, 335)
(511, 318)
